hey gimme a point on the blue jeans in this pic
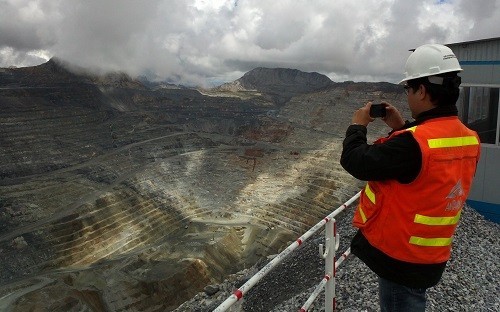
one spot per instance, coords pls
(394, 297)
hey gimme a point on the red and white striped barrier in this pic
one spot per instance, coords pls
(329, 282)
(240, 292)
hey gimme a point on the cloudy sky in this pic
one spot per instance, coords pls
(207, 42)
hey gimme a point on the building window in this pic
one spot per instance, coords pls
(478, 108)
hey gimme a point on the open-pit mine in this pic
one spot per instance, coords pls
(117, 195)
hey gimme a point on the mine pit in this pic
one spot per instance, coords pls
(140, 208)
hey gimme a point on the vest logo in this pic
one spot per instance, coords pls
(456, 191)
(455, 197)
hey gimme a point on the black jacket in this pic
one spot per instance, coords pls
(398, 158)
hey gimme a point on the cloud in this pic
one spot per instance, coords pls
(202, 41)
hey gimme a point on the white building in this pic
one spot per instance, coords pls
(478, 107)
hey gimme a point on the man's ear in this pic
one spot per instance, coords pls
(422, 92)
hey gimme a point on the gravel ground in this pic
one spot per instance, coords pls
(471, 281)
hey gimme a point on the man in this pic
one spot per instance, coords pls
(418, 179)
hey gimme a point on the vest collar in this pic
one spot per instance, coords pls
(436, 112)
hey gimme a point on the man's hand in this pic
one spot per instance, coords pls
(393, 117)
(362, 115)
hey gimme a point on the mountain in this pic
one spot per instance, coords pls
(281, 84)
(56, 72)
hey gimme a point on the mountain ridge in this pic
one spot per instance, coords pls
(281, 84)
(278, 84)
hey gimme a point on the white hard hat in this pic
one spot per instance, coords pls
(430, 60)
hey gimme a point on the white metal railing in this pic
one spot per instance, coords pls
(332, 242)
(331, 246)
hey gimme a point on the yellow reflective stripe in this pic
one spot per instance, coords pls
(437, 220)
(412, 129)
(362, 213)
(453, 142)
(369, 193)
(430, 242)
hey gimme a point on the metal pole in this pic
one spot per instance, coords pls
(330, 265)
(315, 294)
(323, 282)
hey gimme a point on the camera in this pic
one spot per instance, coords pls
(377, 110)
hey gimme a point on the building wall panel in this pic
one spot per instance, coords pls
(480, 61)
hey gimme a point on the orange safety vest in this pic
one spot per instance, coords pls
(415, 222)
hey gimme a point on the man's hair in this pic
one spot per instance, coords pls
(441, 94)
